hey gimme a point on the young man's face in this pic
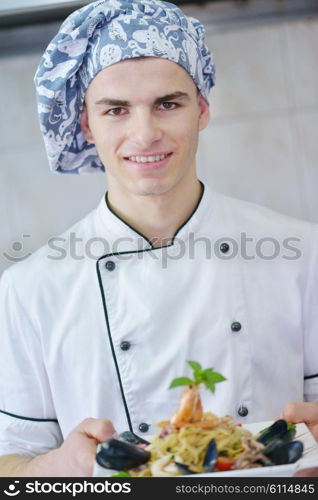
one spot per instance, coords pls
(144, 116)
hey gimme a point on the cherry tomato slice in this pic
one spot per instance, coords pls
(224, 463)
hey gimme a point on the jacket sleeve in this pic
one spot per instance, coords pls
(28, 423)
(310, 321)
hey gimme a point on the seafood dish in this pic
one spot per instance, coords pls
(194, 442)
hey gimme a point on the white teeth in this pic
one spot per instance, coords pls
(146, 159)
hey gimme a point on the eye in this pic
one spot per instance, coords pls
(168, 106)
(115, 111)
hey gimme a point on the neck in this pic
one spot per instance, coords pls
(157, 217)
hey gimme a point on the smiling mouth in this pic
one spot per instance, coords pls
(154, 158)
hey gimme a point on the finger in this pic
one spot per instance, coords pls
(301, 412)
(310, 472)
(97, 428)
(278, 417)
(86, 453)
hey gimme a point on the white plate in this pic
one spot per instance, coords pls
(309, 458)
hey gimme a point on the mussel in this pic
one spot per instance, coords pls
(281, 453)
(120, 455)
(278, 430)
(295, 451)
(209, 461)
(184, 469)
(211, 456)
(131, 437)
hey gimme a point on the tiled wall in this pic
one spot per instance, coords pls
(261, 144)
(35, 204)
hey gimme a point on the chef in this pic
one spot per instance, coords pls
(165, 269)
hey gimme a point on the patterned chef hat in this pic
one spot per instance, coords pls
(94, 37)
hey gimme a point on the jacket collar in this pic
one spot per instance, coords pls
(129, 238)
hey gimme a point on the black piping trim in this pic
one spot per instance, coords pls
(311, 376)
(190, 216)
(142, 235)
(124, 222)
(103, 295)
(112, 347)
(29, 418)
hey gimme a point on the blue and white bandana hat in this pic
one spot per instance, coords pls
(94, 37)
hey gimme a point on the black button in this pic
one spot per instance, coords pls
(143, 427)
(110, 265)
(125, 345)
(242, 411)
(224, 247)
(236, 326)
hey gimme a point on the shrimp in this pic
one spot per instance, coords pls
(190, 413)
(190, 407)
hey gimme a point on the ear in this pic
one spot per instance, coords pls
(204, 116)
(85, 126)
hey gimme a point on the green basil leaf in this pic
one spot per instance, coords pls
(212, 376)
(207, 373)
(181, 381)
(194, 365)
(210, 386)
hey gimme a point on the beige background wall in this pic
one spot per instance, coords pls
(261, 145)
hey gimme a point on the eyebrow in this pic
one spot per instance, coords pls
(105, 101)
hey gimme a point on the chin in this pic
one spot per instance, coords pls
(150, 187)
(140, 187)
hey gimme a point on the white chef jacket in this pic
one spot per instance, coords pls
(97, 323)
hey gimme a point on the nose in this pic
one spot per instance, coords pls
(144, 130)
